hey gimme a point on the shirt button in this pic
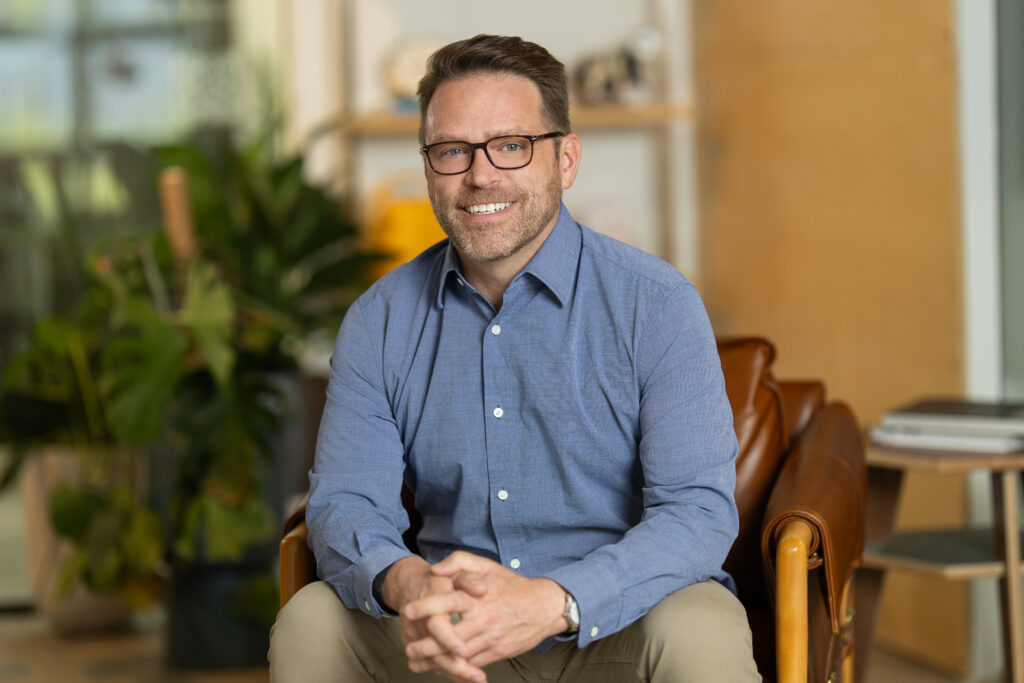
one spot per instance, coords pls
(503, 495)
(498, 412)
(514, 563)
(459, 280)
(593, 632)
(496, 330)
(366, 604)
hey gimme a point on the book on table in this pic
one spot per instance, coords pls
(958, 416)
(954, 424)
(922, 438)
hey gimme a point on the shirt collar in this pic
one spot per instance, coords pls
(451, 271)
(554, 264)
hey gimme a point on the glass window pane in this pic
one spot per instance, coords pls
(36, 109)
(38, 16)
(134, 88)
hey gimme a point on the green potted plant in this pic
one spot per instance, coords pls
(201, 329)
(90, 533)
(285, 260)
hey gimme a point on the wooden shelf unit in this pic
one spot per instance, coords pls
(954, 554)
(386, 124)
(958, 554)
(658, 119)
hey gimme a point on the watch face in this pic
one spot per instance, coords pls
(572, 613)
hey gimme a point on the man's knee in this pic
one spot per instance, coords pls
(314, 610)
(313, 637)
(695, 606)
(701, 629)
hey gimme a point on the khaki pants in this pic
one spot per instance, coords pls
(698, 634)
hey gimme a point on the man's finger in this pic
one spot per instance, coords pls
(461, 561)
(425, 648)
(456, 601)
(441, 629)
(471, 582)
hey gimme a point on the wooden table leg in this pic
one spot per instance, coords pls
(1007, 529)
(880, 511)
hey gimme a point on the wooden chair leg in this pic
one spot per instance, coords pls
(849, 642)
(791, 612)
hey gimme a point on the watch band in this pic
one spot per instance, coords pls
(378, 595)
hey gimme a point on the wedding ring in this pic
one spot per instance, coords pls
(455, 617)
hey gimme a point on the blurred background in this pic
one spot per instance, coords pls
(843, 178)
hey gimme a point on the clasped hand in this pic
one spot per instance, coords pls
(502, 614)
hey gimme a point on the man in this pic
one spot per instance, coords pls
(554, 399)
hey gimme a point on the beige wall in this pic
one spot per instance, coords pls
(830, 223)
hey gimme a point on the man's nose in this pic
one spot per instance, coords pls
(482, 171)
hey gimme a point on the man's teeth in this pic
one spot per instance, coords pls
(488, 208)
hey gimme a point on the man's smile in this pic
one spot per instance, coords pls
(478, 209)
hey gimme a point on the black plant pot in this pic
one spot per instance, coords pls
(207, 622)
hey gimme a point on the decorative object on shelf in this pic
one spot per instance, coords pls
(399, 220)
(403, 70)
(626, 75)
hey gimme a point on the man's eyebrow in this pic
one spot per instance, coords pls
(506, 132)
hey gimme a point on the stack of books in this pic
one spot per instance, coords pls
(953, 424)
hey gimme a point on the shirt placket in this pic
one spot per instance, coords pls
(500, 405)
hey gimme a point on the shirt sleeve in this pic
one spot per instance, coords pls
(355, 512)
(687, 453)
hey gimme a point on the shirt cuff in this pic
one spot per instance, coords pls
(372, 564)
(599, 598)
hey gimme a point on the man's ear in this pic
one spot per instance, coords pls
(569, 159)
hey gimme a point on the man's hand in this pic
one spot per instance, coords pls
(411, 580)
(507, 614)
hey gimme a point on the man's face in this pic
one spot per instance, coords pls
(492, 214)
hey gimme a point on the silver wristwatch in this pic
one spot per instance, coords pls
(571, 613)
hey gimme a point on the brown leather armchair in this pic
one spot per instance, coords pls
(800, 490)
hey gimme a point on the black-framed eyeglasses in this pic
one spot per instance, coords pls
(507, 152)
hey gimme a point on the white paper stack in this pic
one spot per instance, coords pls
(954, 424)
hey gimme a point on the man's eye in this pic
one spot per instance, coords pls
(511, 147)
(451, 152)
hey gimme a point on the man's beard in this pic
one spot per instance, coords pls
(498, 241)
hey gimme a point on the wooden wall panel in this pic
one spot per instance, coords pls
(830, 192)
(830, 219)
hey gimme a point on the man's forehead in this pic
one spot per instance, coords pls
(478, 101)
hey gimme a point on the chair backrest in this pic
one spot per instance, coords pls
(760, 425)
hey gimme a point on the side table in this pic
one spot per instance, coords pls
(948, 553)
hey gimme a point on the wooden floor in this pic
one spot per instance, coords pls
(31, 653)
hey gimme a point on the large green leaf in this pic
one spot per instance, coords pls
(217, 531)
(72, 511)
(142, 542)
(209, 312)
(143, 365)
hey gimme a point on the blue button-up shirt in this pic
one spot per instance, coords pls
(582, 432)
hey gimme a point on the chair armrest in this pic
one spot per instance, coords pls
(791, 631)
(297, 564)
(823, 484)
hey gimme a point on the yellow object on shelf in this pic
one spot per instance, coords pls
(400, 221)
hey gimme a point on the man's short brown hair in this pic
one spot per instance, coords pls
(499, 54)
